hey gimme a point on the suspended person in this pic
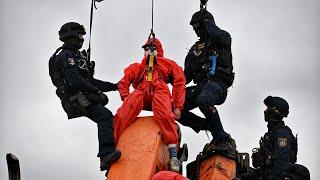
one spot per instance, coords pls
(209, 65)
(80, 93)
(152, 93)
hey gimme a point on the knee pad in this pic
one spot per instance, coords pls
(208, 109)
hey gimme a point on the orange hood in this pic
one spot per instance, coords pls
(156, 42)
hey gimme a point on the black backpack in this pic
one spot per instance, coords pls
(56, 75)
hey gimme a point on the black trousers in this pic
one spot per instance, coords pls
(205, 97)
(104, 119)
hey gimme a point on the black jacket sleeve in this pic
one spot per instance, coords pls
(104, 85)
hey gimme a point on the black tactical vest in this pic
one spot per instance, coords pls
(198, 59)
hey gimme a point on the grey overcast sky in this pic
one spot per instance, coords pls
(275, 48)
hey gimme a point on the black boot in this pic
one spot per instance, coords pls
(109, 159)
(226, 146)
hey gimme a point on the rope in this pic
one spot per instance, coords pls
(152, 32)
(152, 18)
(91, 17)
(93, 4)
(152, 35)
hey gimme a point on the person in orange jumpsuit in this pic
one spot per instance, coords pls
(168, 175)
(153, 94)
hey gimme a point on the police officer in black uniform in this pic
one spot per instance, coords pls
(80, 93)
(209, 65)
(278, 147)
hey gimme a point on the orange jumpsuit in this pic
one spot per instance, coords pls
(151, 95)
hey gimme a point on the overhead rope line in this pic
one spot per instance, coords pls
(93, 5)
(152, 35)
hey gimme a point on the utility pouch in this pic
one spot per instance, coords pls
(61, 91)
(73, 109)
(76, 105)
(80, 99)
(96, 99)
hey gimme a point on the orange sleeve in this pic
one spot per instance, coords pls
(126, 81)
(179, 83)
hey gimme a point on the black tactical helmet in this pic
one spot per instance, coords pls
(70, 29)
(200, 16)
(296, 172)
(279, 104)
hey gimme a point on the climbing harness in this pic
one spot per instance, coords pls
(150, 66)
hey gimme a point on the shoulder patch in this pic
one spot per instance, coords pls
(283, 142)
(71, 61)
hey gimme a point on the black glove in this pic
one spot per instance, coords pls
(114, 87)
(84, 54)
(103, 98)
